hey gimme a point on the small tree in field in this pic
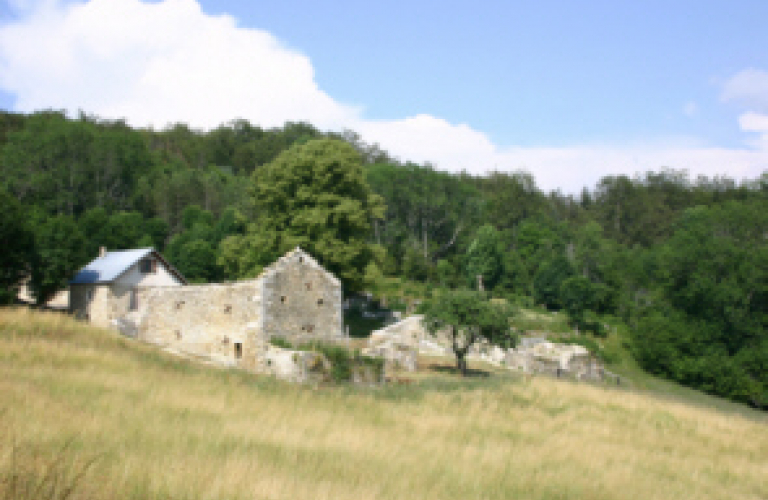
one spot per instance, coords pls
(468, 317)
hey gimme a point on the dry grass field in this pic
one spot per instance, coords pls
(85, 413)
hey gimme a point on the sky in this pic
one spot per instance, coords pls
(567, 90)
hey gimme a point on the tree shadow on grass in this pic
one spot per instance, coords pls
(452, 370)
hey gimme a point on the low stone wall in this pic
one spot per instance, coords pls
(296, 366)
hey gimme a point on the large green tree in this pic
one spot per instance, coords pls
(315, 196)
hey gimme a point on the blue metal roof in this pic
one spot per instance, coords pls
(106, 269)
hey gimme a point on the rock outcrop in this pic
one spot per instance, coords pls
(400, 343)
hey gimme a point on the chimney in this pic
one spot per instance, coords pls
(102, 251)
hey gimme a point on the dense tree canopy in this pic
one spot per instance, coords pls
(315, 196)
(18, 247)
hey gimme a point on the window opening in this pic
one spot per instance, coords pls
(319, 302)
(238, 350)
(228, 308)
(148, 266)
(134, 300)
(283, 299)
(308, 285)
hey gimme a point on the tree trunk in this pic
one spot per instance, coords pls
(461, 363)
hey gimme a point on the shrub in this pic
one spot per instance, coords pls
(343, 361)
(281, 342)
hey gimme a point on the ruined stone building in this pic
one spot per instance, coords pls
(294, 298)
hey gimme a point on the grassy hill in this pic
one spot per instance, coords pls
(85, 413)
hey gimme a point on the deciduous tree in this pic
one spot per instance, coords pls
(467, 317)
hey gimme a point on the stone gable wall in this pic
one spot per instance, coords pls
(302, 301)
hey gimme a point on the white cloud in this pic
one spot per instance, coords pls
(158, 63)
(167, 61)
(749, 87)
(756, 123)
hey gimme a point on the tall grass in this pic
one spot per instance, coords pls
(163, 427)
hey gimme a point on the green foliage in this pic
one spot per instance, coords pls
(196, 260)
(549, 280)
(484, 257)
(18, 249)
(711, 331)
(468, 316)
(281, 342)
(343, 361)
(314, 196)
(577, 296)
(60, 252)
(428, 216)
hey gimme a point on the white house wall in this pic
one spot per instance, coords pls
(133, 277)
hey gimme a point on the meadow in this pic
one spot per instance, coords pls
(85, 413)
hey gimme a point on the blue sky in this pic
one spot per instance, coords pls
(532, 73)
(567, 90)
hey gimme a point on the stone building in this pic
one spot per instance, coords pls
(108, 287)
(231, 324)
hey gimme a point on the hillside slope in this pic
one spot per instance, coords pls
(159, 427)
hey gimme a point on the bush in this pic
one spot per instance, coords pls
(280, 342)
(343, 361)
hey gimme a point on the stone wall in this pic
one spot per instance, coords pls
(96, 308)
(219, 321)
(302, 301)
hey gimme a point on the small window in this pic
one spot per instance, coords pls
(148, 266)
(238, 350)
(283, 299)
(134, 300)
(319, 302)
(89, 295)
(228, 309)
(179, 304)
(308, 285)
(178, 334)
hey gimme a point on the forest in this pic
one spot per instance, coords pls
(682, 262)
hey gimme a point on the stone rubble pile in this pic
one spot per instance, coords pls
(296, 366)
(401, 343)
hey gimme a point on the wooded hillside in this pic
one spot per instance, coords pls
(683, 262)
